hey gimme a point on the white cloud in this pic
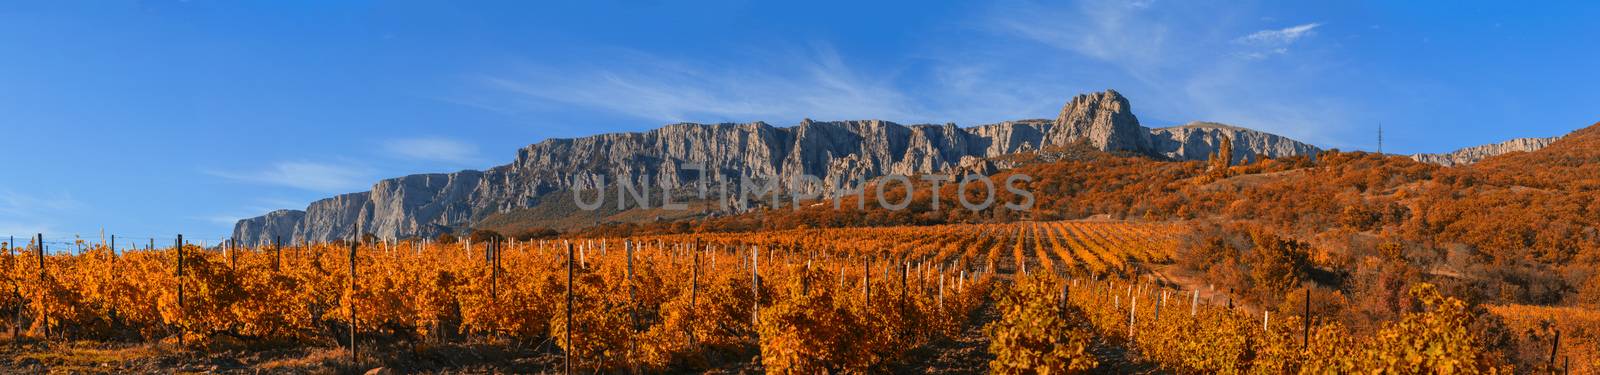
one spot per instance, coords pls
(1116, 32)
(815, 84)
(1177, 61)
(432, 149)
(224, 219)
(314, 176)
(1279, 37)
(1185, 61)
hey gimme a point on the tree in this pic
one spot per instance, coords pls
(484, 236)
(1224, 157)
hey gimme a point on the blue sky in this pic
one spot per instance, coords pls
(151, 118)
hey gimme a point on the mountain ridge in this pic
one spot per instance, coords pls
(1474, 154)
(840, 153)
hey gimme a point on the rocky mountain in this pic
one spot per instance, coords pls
(1198, 140)
(1474, 154)
(839, 153)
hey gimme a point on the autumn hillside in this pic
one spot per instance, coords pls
(1518, 228)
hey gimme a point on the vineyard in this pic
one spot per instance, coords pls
(795, 301)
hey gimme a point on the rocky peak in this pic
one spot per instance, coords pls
(1105, 119)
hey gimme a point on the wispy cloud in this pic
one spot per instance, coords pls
(224, 219)
(1177, 60)
(1279, 37)
(1116, 32)
(22, 213)
(815, 83)
(432, 149)
(314, 176)
(1184, 61)
(1267, 43)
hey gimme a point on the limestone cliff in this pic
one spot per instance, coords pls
(1474, 154)
(840, 153)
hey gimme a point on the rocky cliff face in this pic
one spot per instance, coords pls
(1104, 119)
(280, 225)
(839, 153)
(1199, 140)
(1474, 154)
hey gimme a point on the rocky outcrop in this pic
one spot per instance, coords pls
(273, 226)
(1199, 140)
(1104, 119)
(1474, 154)
(839, 153)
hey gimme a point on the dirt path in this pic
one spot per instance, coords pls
(967, 353)
(1118, 359)
(1171, 276)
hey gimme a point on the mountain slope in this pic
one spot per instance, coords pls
(840, 153)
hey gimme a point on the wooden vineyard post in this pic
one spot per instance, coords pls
(755, 286)
(491, 257)
(352, 299)
(179, 245)
(566, 357)
(16, 290)
(694, 289)
(1265, 314)
(866, 280)
(1305, 336)
(1065, 294)
(1133, 306)
(961, 281)
(1194, 302)
(1161, 299)
(39, 246)
(905, 268)
(805, 280)
(1555, 345)
(633, 316)
(277, 253)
